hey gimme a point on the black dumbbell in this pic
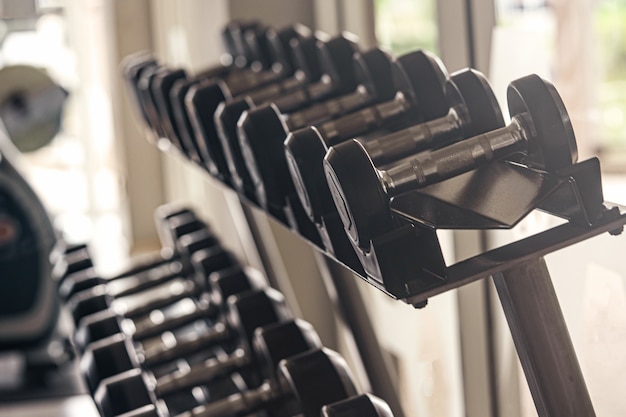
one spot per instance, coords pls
(539, 136)
(244, 313)
(261, 126)
(418, 94)
(308, 70)
(371, 78)
(206, 305)
(364, 405)
(247, 54)
(202, 98)
(303, 385)
(147, 274)
(271, 344)
(134, 295)
(141, 76)
(236, 56)
(173, 256)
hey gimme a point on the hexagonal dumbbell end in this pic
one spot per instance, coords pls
(366, 405)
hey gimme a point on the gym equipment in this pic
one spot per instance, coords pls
(203, 97)
(271, 343)
(473, 109)
(304, 384)
(372, 78)
(308, 70)
(417, 75)
(187, 235)
(244, 313)
(134, 295)
(207, 305)
(365, 405)
(239, 56)
(28, 307)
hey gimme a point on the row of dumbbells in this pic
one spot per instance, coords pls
(190, 332)
(323, 135)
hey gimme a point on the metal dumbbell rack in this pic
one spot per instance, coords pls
(518, 269)
(407, 263)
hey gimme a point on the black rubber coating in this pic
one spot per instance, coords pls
(279, 341)
(201, 102)
(226, 117)
(261, 138)
(317, 378)
(105, 358)
(305, 57)
(114, 399)
(88, 302)
(257, 308)
(232, 281)
(336, 60)
(358, 194)
(553, 147)
(480, 101)
(305, 151)
(421, 76)
(365, 405)
(374, 71)
(97, 326)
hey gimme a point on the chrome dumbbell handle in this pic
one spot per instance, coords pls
(199, 374)
(237, 404)
(431, 167)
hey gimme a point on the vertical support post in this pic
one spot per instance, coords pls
(542, 341)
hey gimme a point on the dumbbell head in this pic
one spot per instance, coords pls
(373, 71)
(335, 56)
(353, 180)
(223, 283)
(245, 313)
(365, 405)
(261, 133)
(162, 86)
(133, 69)
(315, 379)
(279, 341)
(419, 76)
(271, 344)
(551, 140)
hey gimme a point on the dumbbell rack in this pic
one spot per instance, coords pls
(407, 263)
(518, 269)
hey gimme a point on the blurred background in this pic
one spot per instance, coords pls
(101, 180)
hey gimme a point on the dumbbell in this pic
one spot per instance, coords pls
(207, 305)
(539, 136)
(262, 133)
(248, 54)
(145, 275)
(237, 55)
(364, 405)
(77, 273)
(136, 294)
(308, 70)
(472, 109)
(244, 313)
(370, 75)
(141, 76)
(303, 384)
(267, 346)
(202, 98)
(417, 95)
